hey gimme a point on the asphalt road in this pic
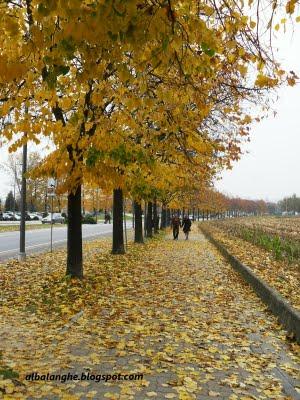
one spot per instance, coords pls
(39, 239)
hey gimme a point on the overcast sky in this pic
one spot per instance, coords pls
(271, 169)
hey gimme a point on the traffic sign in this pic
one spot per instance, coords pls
(51, 183)
(51, 186)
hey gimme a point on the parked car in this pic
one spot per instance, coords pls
(8, 216)
(57, 218)
(33, 217)
(16, 217)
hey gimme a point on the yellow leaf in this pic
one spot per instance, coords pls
(277, 26)
(290, 6)
(190, 384)
(109, 395)
(211, 393)
(291, 81)
(91, 394)
(151, 394)
(9, 388)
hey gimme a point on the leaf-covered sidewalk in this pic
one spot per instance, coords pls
(170, 310)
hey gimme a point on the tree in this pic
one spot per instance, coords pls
(10, 202)
(159, 81)
(138, 223)
(290, 204)
(118, 236)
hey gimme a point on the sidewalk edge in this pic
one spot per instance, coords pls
(288, 316)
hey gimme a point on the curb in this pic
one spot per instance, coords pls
(288, 316)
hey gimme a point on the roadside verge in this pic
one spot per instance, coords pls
(287, 315)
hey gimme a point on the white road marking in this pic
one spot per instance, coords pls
(57, 241)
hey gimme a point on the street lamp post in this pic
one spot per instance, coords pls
(97, 209)
(51, 239)
(22, 254)
(14, 205)
(51, 192)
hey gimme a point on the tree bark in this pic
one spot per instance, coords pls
(138, 225)
(149, 220)
(168, 217)
(133, 214)
(145, 219)
(163, 223)
(74, 241)
(118, 236)
(155, 217)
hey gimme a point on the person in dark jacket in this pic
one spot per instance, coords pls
(186, 226)
(175, 224)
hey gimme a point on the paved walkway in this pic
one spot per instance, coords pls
(186, 321)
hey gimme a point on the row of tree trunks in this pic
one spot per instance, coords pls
(74, 241)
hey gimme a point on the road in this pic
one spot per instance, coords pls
(39, 239)
(4, 223)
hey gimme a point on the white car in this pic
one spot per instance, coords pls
(34, 217)
(57, 218)
(17, 217)
(9, 216)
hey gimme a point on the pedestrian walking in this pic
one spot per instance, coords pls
(186, 226)
(108, 217)
(175, 224)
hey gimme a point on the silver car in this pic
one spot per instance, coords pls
(57, 218)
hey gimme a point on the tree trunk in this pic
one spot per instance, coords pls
(155, 217)
(149, 220)
(138, 226)
(133, 213)
(118, 237)
(74, 242)
(163, 223)
(168, 217)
